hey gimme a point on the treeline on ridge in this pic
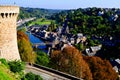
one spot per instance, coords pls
(36, 12)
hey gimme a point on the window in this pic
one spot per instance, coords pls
(2, 14)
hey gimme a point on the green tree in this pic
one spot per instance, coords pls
(16, 66)
(42, 58)
(43, 20)
(25, 49)
(2, 60)
(31, 76)
(79, 46)
(52, 26)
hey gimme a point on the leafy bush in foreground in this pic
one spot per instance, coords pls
(42, 58)
(31, 76)
(16, 66)
(2, 60)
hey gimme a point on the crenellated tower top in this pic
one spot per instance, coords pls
(7, 11)
(8, 35)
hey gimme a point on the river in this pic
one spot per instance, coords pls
(34, 39)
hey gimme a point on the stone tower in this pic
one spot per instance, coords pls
(8, 35)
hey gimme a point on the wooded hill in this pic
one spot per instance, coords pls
(36, 12)
(99, 25)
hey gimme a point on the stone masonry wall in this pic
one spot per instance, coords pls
(8, 36)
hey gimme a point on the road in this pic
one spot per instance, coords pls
(21, 22)
(46, 75)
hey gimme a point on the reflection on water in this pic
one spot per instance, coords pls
(34, 39)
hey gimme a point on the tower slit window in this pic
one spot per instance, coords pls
(10, 14)
(6, 15)
(2, 14)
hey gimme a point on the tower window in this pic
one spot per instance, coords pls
(6, 14)
(13, 14)
(10, 14)
(2, 14)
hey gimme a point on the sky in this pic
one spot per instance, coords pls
(63, 4)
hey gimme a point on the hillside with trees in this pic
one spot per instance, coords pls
(70, 60)
(101, 69)
(12, 70)
(4, 75)
(28, 53)
(91, 21)
(99, 25)
(36, 12)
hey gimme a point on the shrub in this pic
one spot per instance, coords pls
(42, 58)
(16, 66)
(37, 77)
(4, 62)
(31, 76)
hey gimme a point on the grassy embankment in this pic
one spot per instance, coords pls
(5, 73)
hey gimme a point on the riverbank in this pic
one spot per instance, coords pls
(35, 40)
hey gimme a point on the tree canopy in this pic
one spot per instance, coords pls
(42, 58)
(70, 61)
(101, 69)
(36, 12)
(25, 49)
(99, 24)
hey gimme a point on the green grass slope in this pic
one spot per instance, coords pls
(5, 73)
